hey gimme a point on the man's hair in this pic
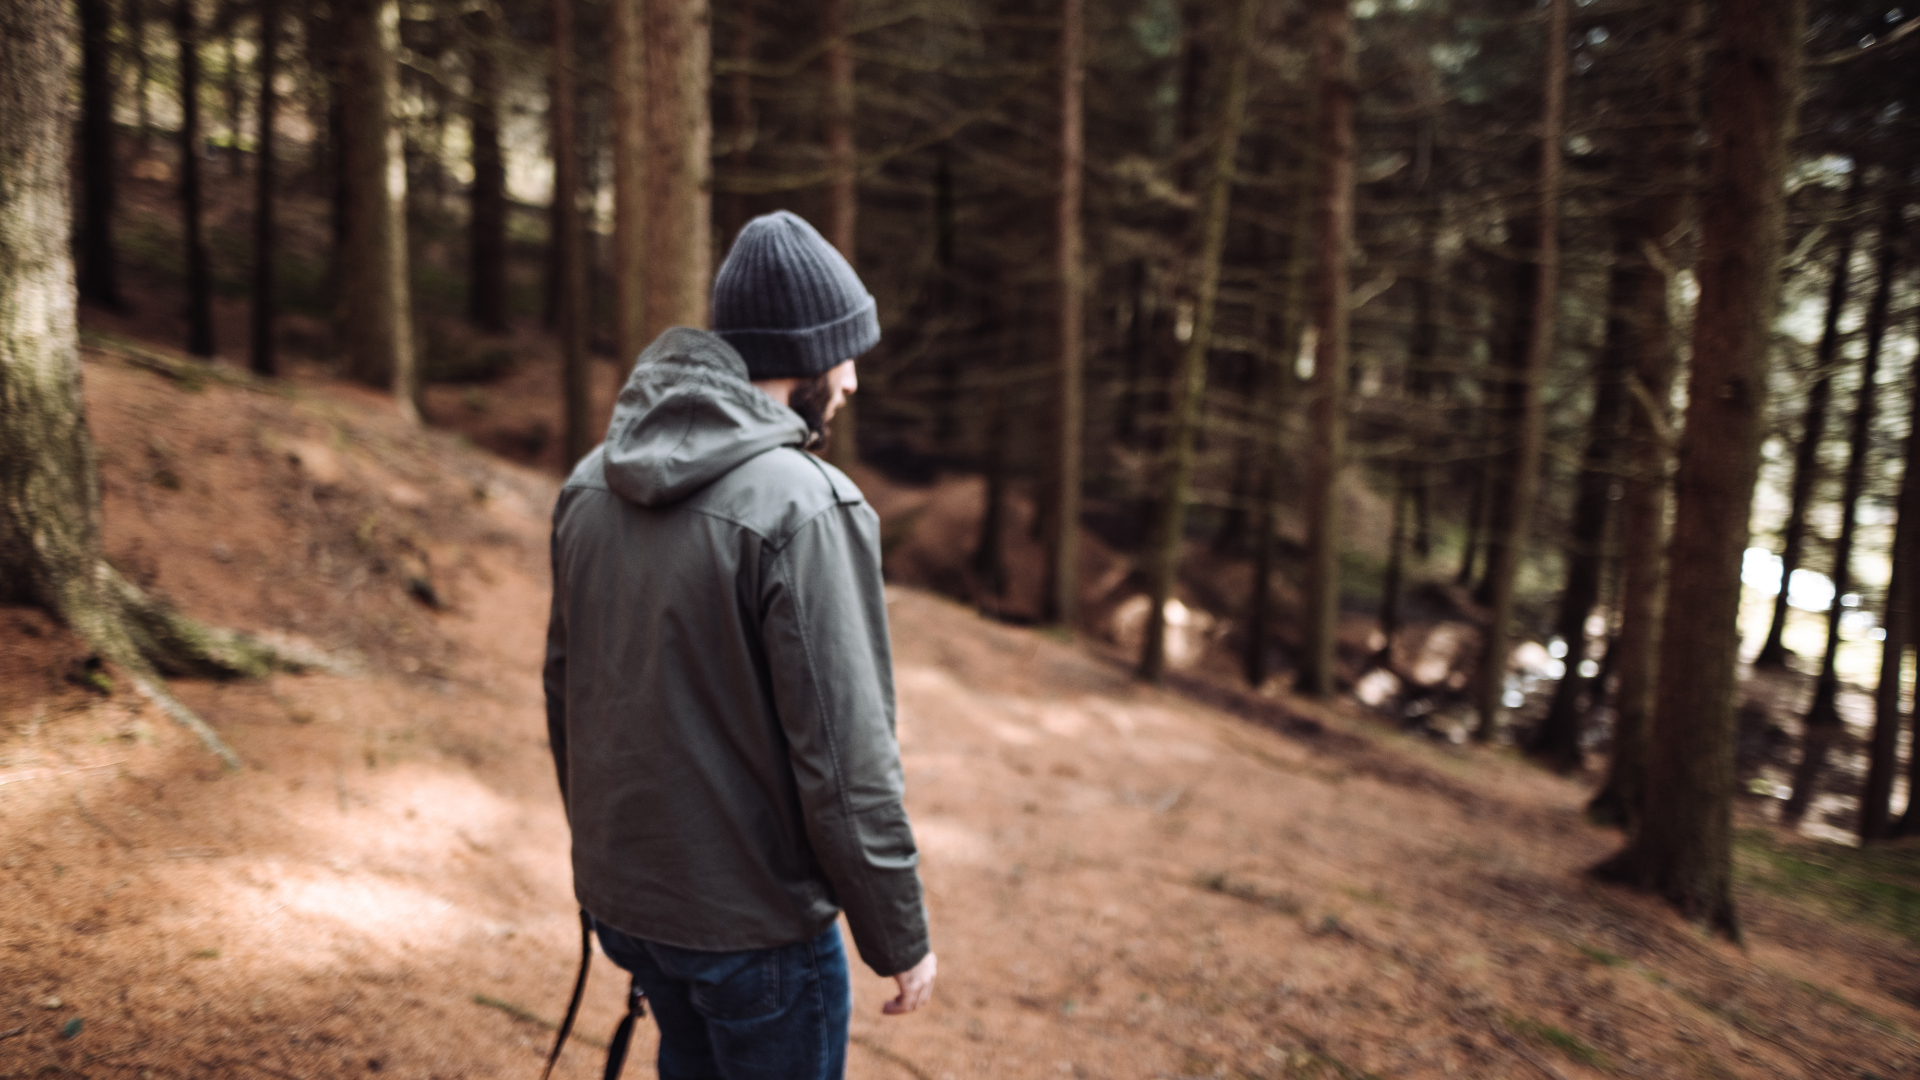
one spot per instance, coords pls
(810, 399)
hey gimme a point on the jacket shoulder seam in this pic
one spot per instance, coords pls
(781, 543)
(730, 520)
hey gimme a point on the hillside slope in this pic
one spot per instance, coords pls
(1123, 882)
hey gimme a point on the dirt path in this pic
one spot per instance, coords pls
(1123, 882)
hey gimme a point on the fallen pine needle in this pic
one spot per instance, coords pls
(888, 1055)
(531, 1017)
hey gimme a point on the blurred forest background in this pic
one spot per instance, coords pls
(1396, 512)
(1317, 346)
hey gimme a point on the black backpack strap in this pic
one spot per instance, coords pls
(623, 1035)
(579, 988)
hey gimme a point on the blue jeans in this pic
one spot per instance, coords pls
(763, 1014)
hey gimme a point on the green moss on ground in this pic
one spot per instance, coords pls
(1877, 885)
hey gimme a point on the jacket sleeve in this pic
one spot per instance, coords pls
(825, 631)
(553, 674)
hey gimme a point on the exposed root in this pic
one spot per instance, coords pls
(156, 691)
(178, 645)
(145, 637)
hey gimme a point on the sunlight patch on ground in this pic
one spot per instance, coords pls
(945, 840)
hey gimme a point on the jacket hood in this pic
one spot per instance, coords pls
(687, 417)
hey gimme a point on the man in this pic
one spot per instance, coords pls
(720, 686)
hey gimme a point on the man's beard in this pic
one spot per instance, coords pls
(810, 399)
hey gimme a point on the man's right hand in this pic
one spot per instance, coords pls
(916, 987)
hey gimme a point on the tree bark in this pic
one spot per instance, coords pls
(136, 15)
(740, 93)
(569, 239)
(487, 199)
(1909, 823)
(989, 549)
(1557, 741)
(230, 86)
(1806, 456)
(376, 298)
(1064, 571)
(1634, 651)
(1176, 469)
(1283, 352)
(627, 63)
(1474, 543)
(266, 169)
(843, 200)
(1822, 724)
(1683, 848)
(1515, 279)
(1503, 573)
(1898, 619)
(679, 175)
(50, 547)
(99, 277)
(199, 275)
(1396, 557)
(1663, 167)
(1333, 74)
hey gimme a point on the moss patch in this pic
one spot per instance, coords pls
(1876, 885)
(1569, 1044)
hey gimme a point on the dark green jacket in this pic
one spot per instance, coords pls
(719, 681)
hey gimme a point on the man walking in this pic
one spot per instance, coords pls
(719, 681)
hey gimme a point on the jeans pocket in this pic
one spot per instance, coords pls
(743, 986)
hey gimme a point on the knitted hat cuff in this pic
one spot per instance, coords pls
(808, 351)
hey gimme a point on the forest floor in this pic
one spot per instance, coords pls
(1123, 881)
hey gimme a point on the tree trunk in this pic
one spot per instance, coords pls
(1683, 848)
(265, 170)
(989, 549)
(1503, 572)
(1126, 426)
(1823, 724)
(1634, 653)
(1515, 279)
(1423, 348)
(679, 170)
(1176, 469)
(1898, 621)
(230, 87)
(1806, 457)
(1471, 547)
(136, 14)
(740, 90)
(843, 200)
(627, 62)
(1557, 741)
(199, 276)
(487, 206)
(1333, 74)
(949, 406)
(1283, 352)
(99, 279)
(1664, 166)
(326, 35)
(1396, 554)
(569, 240)
(1064, 571)
(50, 548)
(376, 301)
(1909, 823)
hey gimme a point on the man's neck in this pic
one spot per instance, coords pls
(780, 390)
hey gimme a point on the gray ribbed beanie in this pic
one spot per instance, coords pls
(789, 303)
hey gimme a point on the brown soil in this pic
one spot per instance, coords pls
(1123, 881)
